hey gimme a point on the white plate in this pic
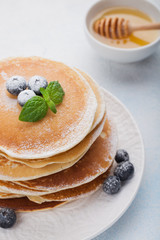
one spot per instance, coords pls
(88, 217)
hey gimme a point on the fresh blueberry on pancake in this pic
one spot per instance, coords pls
(112, 185)
(37, 82)
(16, 84)
(7, 217)
(121, 156)
(124, 170)
(24, 96)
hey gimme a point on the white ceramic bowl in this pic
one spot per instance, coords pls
(120, 54)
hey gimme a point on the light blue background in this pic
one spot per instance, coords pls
(54, 29)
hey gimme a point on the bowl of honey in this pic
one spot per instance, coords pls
(135, 46)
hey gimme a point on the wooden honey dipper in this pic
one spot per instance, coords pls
(117, 28)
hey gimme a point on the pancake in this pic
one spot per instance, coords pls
(94, 163)
(56, 133)
(64, 195)
(9, 195)
(13, 171)
(99, 96)
(69, 156)
(25, 205)
(13, 188)
(72, 193)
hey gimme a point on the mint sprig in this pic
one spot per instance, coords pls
(36, 108)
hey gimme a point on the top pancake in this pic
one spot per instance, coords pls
(83, 146)
(55, 133)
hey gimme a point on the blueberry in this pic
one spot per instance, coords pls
(24, 96)
(16, 84)
(121, 156)
(7, 217)
(124, 170)
(112, 185)
(37, 82)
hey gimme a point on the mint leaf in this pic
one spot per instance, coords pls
(49, 102)
(55, 92)
(34, 110)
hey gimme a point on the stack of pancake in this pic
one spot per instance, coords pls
(63, 157)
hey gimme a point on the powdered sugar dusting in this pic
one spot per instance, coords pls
(103, 135)
(4, 75)
(7, 103)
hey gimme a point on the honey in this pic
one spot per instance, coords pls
(135, 17)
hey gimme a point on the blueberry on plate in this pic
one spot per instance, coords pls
(24, 96)
(7, 217)
(124, 170)
(112, 185)
(37, 82)
(121, 156)
(16, 84)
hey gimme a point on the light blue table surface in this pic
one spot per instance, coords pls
(37, 28)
